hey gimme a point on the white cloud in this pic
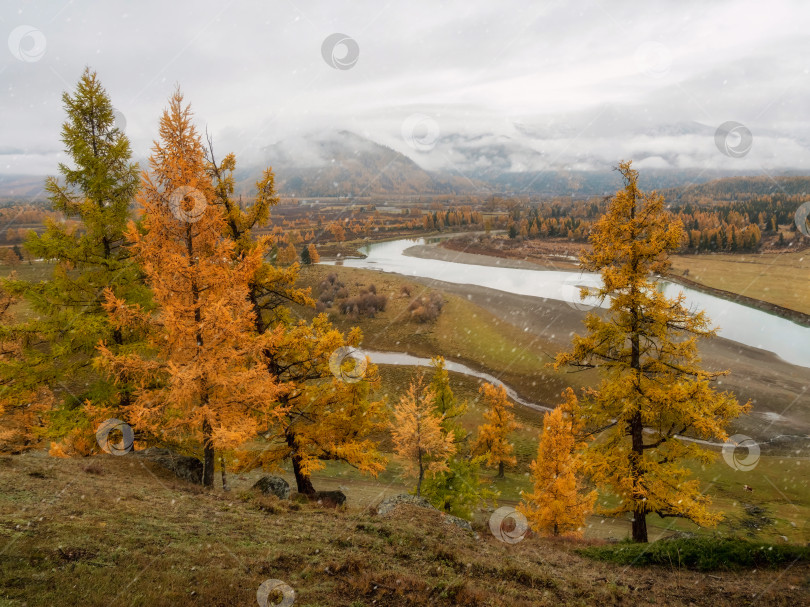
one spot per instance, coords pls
(557, 82)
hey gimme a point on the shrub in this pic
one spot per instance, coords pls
(365, 304)
(330, 289)
(426, 308)
(700, 553)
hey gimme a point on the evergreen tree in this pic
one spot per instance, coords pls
(57, 347)
(305, 258)
(458, 489)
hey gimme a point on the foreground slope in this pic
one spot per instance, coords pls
(113, 530)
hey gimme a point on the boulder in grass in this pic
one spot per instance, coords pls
(273, 485)
(184, 467)
(389, 504)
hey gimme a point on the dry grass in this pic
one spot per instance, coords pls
(779, 278)
(130, 535)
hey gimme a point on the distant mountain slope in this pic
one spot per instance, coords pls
(741, 188)
(345, 164)
(342, 163)
(22, 187)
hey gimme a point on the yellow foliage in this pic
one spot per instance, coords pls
(418, 434)
(324, 418)
(653, 389)
(557, 505)
(22, 408)
(492, 439)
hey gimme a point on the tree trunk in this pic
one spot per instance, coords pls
(222, 471)
(302, 480)
(639, 513)
(640, 526)
(500, 470)
(421, 476)
(208, 456)
(636, 424)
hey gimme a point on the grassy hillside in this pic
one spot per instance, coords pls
(114, 531)
(463, 332)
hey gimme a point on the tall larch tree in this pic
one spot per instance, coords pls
(324, 417)
(204, 385)
(558, 505)
(493, 435)
(272, 288)
(652, 387)
(417, 433)
(90, 253)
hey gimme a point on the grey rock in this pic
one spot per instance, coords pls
(449, 519)
(389, 504)
(273, 485)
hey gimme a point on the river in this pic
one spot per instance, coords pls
(734, 321)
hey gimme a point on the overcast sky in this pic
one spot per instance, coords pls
(582, 83)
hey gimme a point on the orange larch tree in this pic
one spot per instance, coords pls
(418, 434)
(557, 505)
(287, 255)
(328, 414)
(493, 436)
(338, 232)
(203, 382)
